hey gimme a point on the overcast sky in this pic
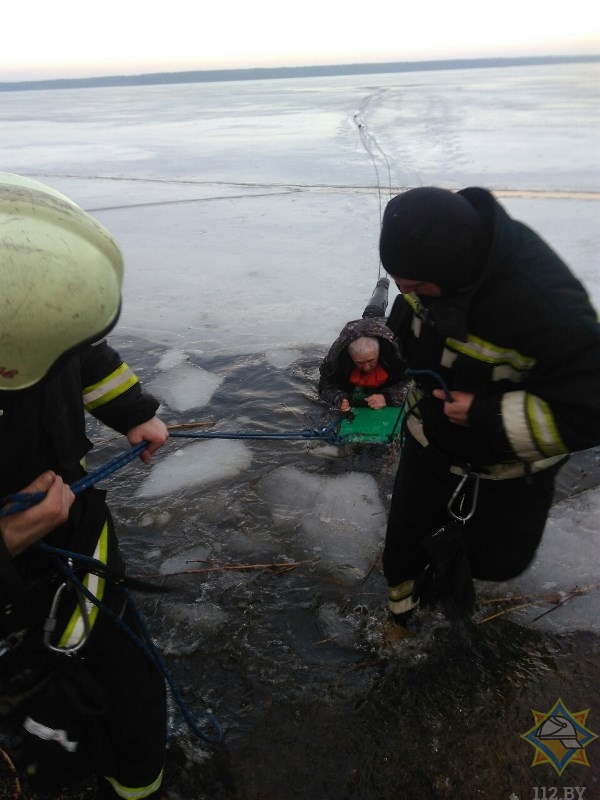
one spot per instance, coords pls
(70, 38)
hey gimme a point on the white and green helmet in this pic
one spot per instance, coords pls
(61, 274)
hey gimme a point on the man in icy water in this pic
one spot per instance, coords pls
(363, 366)
(503, 348)
(88, 697)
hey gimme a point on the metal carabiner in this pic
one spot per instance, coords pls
(50, 623)
(460, 493)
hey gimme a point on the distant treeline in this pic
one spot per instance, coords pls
(270, 73)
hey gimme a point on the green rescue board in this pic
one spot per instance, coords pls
(372, 425)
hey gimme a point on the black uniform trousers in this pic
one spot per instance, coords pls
(135, 722)
(501, 537)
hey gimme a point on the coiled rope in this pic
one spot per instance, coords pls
(144, 642)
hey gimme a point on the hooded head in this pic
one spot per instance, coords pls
(435, 236)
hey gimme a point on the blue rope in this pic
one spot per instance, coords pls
(328, 434)
(432, 374)
(112, 466)
(21, 501)
(145, 642)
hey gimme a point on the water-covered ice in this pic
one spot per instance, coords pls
(565, 569)
(282, 357)
(185, 386)
(341, 519)
(196, 464)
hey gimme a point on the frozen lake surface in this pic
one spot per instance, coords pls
(249, 212)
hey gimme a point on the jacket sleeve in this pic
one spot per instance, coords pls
(557, 409)
(112, 392)
(10, 580)
(331, 384)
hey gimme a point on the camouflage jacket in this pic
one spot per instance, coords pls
(336, 367)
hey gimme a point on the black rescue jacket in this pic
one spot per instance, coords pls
(525, 339)
(42, 428)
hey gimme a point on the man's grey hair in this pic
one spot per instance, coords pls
(364, 347)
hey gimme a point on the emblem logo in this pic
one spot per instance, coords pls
(559, 737)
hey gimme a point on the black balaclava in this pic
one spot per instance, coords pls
(436, 236)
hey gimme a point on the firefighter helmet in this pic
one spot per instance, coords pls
(60, 280)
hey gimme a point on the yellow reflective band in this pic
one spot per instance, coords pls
(401, 591)
(135, 793)
(500, 372)
(530, 426)
(75, 629)
(544, 428)
(514, 421)
(413, 396)
(108, 388)
(492, 354)
(448, 358)
(413, 302)
(495, 472)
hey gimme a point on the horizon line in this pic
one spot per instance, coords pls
(257, 73)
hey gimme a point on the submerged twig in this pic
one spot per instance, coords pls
(367, 575)
(557, 605)
(14, 778)
(507, 611)
(557, 599)
(184, 425)
(277, 567)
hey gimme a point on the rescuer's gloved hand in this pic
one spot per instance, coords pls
(446, 581)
